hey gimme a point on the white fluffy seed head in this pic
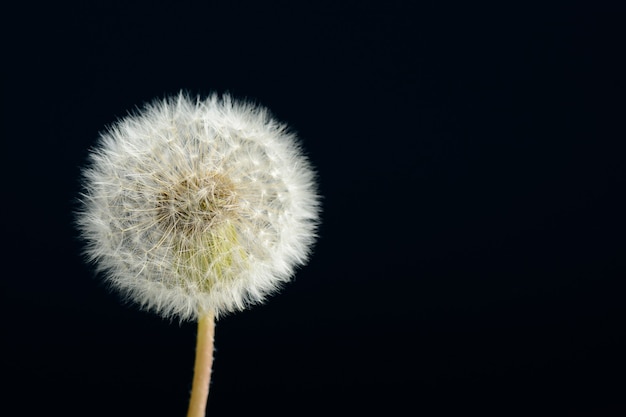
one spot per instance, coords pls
(198, 205)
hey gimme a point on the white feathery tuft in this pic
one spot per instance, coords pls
(198, 205)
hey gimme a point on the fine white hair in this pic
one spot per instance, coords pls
(193, 205)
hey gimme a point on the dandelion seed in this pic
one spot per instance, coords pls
(195, 208)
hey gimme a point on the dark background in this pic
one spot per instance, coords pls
(471, 258)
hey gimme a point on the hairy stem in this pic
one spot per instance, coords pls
(202, 368)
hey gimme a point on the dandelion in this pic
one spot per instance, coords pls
(195, 208)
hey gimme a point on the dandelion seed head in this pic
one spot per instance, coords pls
(192, 205)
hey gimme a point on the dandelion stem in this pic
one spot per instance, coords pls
(202, 368)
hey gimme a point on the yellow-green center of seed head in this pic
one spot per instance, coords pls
(198, 213)
(197, 204)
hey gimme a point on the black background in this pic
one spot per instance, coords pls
(471, 258)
